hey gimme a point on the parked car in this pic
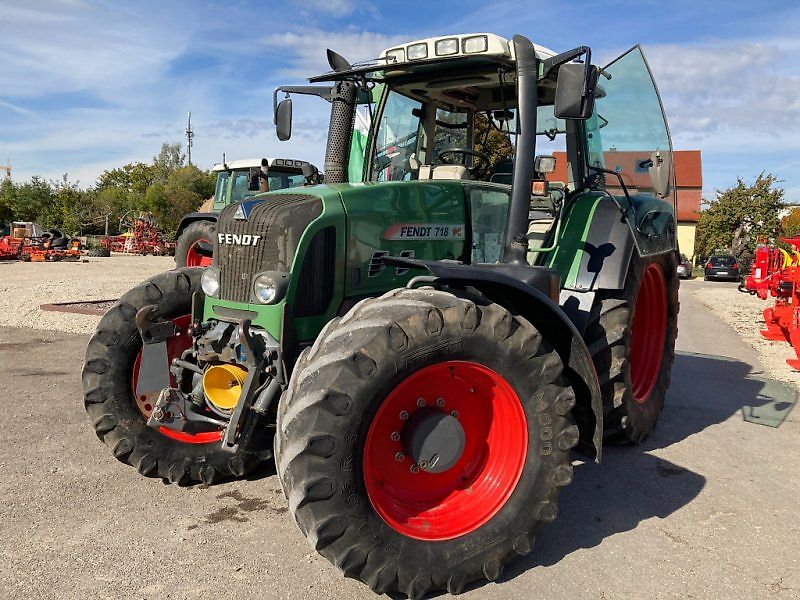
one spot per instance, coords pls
(684, 267)
(722, 266)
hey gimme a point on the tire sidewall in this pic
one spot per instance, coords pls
(199, 230)
(642, 416)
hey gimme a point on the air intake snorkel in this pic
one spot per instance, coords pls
(340, 130)
(516, 244)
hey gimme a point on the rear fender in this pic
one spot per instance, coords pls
(554, 325)
(600, 236)
(598, 241)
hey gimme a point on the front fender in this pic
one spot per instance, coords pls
(193, 217)
(524, 295)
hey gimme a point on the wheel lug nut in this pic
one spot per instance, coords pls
(399, 457)
(414, 469)
(440, 402)
(395, 436)
(454, 414)
(420, 402)
(403, 415)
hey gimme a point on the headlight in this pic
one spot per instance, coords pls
(417, 51)
(209, 281)
(474, 44)
(446, 47)
(265, 289)
(270, 287)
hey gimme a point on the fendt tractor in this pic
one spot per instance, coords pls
(431, 333)
(236, 180)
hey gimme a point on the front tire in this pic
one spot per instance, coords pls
(349, 423)
(631, 335)
(120, 418)
(195, 245)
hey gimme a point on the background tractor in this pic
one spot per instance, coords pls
(236, 180)
(429, 335)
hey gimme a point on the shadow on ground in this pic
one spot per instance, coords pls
(631, 486)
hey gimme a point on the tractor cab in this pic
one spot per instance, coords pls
(240, 179)
(454, 108)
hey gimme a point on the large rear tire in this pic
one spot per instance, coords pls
(119, 417)
(353, 414)
(631, 335)
(195, 245)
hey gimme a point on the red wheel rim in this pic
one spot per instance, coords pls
(175, 347)
(649, 329)
(452, 503)
(194, 258)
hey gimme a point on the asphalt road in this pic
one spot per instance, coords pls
(707, 508)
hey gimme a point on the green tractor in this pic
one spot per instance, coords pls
(422, 342)
(236, 180)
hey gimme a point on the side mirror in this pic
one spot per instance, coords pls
(252, 181)
(658, 167)
(575, 91)
(310, 173)
(283, 119)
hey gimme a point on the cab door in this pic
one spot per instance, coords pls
(628, 134)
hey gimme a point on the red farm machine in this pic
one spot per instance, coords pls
(776, 274)
(142, 236)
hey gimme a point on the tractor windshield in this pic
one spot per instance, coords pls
(439, 135)
(282, 179)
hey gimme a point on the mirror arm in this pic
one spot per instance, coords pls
(323, 92)
(559, 59)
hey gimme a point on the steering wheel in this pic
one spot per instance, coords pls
(464, 152)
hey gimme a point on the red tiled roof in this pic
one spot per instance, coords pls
(688, 176)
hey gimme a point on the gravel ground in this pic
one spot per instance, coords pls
(26, 286)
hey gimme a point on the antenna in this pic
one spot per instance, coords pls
(189, 138)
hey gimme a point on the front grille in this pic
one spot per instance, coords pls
(315, 286)
(280, 221)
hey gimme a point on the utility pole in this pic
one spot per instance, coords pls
(189, 138)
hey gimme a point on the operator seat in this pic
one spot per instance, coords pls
(443, 172)
(503, 172)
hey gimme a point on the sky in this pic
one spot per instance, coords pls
(88, 85)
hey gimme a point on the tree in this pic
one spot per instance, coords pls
(790, 224)
(8, 194)
(133, 177)
(32, 199)
(496, 144)
(740, 216)
(169, 160)
(64, 209)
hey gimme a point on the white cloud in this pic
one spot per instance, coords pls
(307, 47)
(334, 7)
(48, 48)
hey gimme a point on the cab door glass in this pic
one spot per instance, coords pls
(221, 191)
(396, 139)
(240, 188)
(489, 214)
(628, 134)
